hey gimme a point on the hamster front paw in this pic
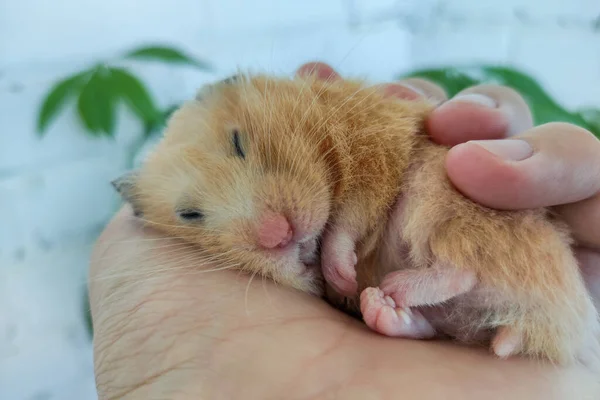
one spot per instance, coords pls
(338, 259)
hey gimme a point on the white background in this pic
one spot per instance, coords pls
(54, 192)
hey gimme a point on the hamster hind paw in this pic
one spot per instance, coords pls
(428, 286)
(381, 314)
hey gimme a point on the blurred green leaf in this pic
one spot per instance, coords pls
(592, 117)
(87, 313)
(543, 107)
(150, 128)
(58, 97)
(99, 90)
(96, 103)
(134, 93)
(167, 54)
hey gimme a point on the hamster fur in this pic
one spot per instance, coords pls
(259, 169)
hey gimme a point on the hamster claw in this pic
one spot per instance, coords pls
(506, 342)
(384, 316)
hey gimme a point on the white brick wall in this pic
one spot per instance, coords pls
(56, 189)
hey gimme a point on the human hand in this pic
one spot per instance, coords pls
(170, 325)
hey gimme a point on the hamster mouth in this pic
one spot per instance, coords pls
(303, 257)
(310, 251)
(310, 256)
(307, 252)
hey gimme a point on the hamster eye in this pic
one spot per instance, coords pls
(190, 215)
(236, 143)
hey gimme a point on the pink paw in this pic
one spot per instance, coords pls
(506, 342)
(382, 315)
(338, 261)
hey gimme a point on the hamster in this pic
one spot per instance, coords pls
(296, 178)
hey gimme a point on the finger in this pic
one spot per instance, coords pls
(400, 91)
(589, 261)
(417, 88)
(123, 239)
(410, 89)
(583, 218)
(319, 69)
(478, 113)
(549, 165)
(326, 72)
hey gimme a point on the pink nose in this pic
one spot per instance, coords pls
(274, 231)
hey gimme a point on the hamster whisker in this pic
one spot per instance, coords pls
(181, 264)
(247, 291)
(149, 256)
(327, 84)
(177, 246)
(147, 277)
(165, 225)
(268, 125)
(266, 290)
(315, 130)
(336, 109)
(333, 148)
(169, 238)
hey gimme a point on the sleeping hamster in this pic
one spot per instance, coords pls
(295, 179)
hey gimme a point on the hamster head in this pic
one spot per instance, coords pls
(240, 172)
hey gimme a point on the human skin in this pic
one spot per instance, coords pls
(169, 325)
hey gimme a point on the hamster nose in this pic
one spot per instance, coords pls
(274, 231)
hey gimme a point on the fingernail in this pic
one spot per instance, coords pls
(402, 91)
(415, 89)
(506, 149)
(476, 98)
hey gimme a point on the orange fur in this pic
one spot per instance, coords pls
(339, 154)
(528, 277)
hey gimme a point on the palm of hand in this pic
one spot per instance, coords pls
(173, 331)
(166, 329)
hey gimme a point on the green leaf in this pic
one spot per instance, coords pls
(160, 122)
(57, 98)
(96, 103)
(87, 313)
(167, 54)
(592, 117)
(544, 109)
(135, 94)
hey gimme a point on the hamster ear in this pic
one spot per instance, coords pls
(125, 185)
(210, 88)
(230, 80)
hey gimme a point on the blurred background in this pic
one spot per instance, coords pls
(62, 142)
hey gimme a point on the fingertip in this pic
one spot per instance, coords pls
(318, 69)
(424, 89)
(458, 122)
(484, 177)
(401, 91)
(480, 112)
(509, 101)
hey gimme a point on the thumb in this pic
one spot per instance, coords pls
(548, 165)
